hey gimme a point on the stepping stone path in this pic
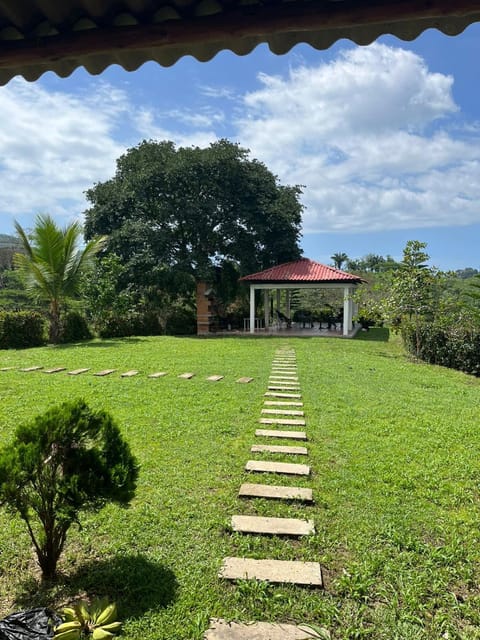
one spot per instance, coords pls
(244, 380)
(186, 376)
(54, 370)
(215, 378)
(129, 374)
(250, 490)
(282, 382)
(158, 374)
(276, 433)
(105, 372)
(224, 630)
(77, 372)
(278, 448)
(28, 369)
(273, 526)
(290, 571)
(6, 368)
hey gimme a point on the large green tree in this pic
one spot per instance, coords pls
(174, 215)
(52, 263)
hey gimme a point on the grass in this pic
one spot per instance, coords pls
(394, 447)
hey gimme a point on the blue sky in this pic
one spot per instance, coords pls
(384, 138)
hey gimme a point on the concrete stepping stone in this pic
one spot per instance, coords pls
(186, 376)
(215, 378)
(6, 368)
(265, 466)
(280, 377)
(224, 630)
(278, 394)
(105, 372)
(282, 403)
(77, 372)
(55, 370)
(275, 492)
(291, 571)
(129, 374)
(28, 369)
(273, 526)
(158, 374)
(276, 433)
(278, 387)
(244, 380)
(286, 421)
(284, 412)
(278, 448)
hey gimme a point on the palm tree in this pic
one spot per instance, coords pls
(51, 264)
(339, 259)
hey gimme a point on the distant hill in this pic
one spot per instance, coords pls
(7, 241)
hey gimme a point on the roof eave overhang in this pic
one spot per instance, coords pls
(239, 29)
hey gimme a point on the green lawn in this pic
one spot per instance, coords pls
(395, 452)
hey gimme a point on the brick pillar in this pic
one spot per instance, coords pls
(203, 311)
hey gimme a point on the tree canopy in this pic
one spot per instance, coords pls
(170, 211)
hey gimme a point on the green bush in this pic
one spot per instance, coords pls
(69, 459)
(75, 327)
(451, 345)
(181, 322)
(22, 329)
(133, 323)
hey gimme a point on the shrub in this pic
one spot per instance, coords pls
(133, 323)
(69, 459)
(22, 329)
(451, 345)
(75, 327)
(181, 322)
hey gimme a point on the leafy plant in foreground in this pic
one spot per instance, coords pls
(81, 620)
(69, 459)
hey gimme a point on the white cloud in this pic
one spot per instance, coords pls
(54, 145)
(370, 136)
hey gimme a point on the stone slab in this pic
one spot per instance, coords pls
(27, 369)
(224, 630)
(280, 377)
(77, 372)
(283, 387)
(55, 370)
(285, 421)
(215, 378)
(279, 448)
(105, 372)
(244, 380)
(6, 368)
(275, 492)
(265, 466)
(282, 403)
(129, 374)
(158, 374)
(278, 394)
(276, 433)
(291, 571)
(186, 376)
(273, 526)
(283, 412)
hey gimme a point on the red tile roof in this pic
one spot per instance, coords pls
(303, 270)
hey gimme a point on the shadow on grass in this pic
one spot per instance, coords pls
(376, 334)
(99, 343)
(135, 583)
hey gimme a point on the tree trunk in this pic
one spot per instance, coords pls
(55, 328)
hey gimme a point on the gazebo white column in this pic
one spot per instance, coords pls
(252, 309)
(347, 310)
(266, 308)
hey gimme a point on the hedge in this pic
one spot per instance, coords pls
(21, 329)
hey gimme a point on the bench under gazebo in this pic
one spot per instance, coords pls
(300, 274)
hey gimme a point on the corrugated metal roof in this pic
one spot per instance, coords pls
(62, 35)
(303, 270)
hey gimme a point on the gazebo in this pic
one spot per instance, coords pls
(301, 274)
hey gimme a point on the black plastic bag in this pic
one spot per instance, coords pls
(36, 624)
